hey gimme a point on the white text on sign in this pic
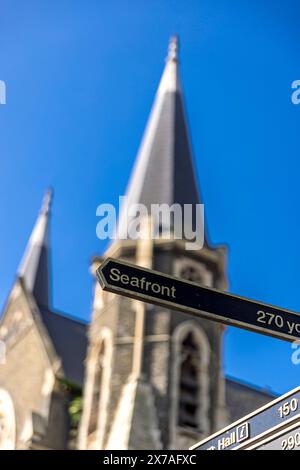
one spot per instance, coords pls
(268, 318)
(142, 283)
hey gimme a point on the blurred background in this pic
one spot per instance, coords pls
(80, 80)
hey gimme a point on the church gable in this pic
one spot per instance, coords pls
(29, 365)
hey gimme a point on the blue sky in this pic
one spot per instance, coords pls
(81, 77)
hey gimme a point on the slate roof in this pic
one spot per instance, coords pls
(69, 338)
(164, 170)
(243, 398)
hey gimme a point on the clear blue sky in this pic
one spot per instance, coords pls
(81, 77)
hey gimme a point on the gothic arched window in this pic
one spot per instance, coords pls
(189, 383)
(98, 377)
(7, 421)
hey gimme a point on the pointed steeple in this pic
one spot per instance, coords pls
(34, 268)
(164, 171)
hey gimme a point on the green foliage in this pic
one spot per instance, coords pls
(75, 406)
(75, 410)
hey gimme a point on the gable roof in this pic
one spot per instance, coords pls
(69, 338)
(243, 398)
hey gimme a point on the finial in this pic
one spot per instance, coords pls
(47, 201)
(173, 49)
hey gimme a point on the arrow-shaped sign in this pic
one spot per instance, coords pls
(286, 439)
(188, 297)
(267, 420)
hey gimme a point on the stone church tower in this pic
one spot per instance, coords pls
(154, 376)
(151, 377)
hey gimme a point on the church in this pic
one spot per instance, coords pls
(137, 376)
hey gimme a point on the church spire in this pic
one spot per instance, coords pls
(173, 49)
(34, 268)
(164, 171)
(170, 81)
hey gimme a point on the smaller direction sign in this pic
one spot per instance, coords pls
(188, 297)
(257, 425)
(286, 439)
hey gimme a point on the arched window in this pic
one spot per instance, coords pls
(99, 367)
(189, 383)
(7, 421)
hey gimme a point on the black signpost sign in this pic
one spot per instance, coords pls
(271, 417)
(154, 287)
(143, 284)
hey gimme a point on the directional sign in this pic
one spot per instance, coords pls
(287, 439)
(255, 426)
(154, 287)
